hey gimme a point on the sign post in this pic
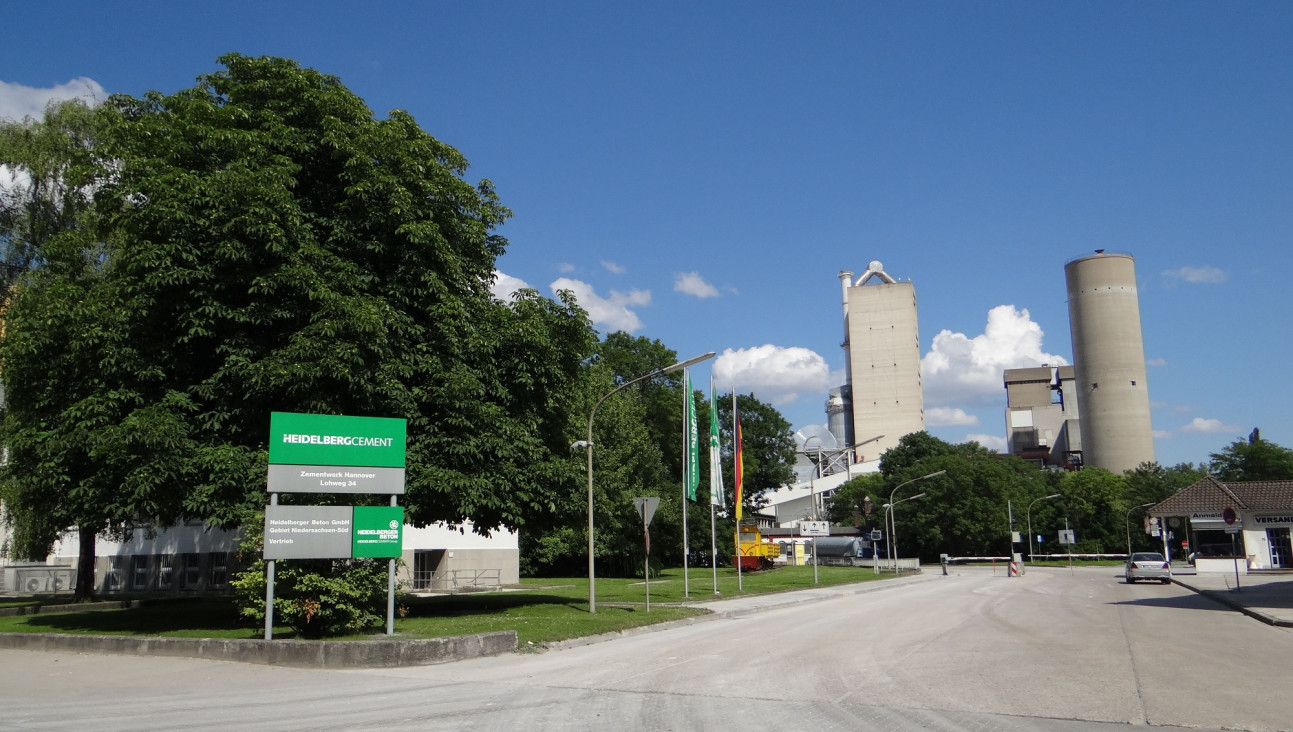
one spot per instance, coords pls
(322, 453)
(646, 510)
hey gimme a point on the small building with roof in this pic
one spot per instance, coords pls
(1227, 527)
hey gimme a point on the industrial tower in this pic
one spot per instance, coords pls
(1109, 361)
(883, 397)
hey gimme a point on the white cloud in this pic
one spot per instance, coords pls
(18, 101)
(1162, 435)
(614, 312)
(1197, 275)
(1155, 362)
(1206, 426)
(504, 285)
(992, 442)
(959, 369)
(949, 416)
(613, 267)
(775, 374)
(691, 283)
(565, 268)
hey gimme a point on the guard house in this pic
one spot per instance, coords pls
(1229, 526)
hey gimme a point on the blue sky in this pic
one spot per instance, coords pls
(698, 172)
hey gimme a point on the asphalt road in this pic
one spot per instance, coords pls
(1052, 650)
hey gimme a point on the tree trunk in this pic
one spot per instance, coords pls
(85, 566)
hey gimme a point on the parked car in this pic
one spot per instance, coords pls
(1147, 566)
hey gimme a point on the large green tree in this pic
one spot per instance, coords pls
(275, 247)
(60, 345)
(1255, 458)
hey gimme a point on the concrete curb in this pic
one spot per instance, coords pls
(1225, 599)
(296, 653)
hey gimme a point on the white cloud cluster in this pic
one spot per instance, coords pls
(691, 283)
(992, 442)
(505, 284)
(1197, 275)
(613, 267)
(775, 374)
(614, 312)
(1207, 426)
(949, 417)
(963, 370)
(18, 101)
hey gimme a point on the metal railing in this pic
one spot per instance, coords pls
(450, 580)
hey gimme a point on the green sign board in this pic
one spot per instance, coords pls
(325, 439)
(378, 532)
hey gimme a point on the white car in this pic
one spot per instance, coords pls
(1148, 566)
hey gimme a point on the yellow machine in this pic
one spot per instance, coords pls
(752, 551)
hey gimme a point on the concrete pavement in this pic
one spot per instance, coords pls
(1265, 596)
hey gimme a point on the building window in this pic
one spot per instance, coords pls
(192, 571)
(219, 570)
(139, 572)
(112, 581)
(165, 571)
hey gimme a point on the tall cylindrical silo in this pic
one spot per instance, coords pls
(1109, 361)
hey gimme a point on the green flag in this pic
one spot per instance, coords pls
(716, 497)
(693, 444)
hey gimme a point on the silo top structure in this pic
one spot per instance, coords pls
(1109, 361)
(882, 360)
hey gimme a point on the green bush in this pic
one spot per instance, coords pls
(317, 598)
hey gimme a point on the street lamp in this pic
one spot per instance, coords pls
(1127, 522)
(812, 494)
(889, 511)
(1030, 522)
(892, 523)
(588, 445)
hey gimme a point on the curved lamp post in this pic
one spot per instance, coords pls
(888, 507)
(893, 549)
(1127, 523)
(1030, 522)
(812, 493)
(588, 445)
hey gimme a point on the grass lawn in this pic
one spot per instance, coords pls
(542, 611)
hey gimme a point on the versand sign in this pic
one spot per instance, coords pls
(326, 439)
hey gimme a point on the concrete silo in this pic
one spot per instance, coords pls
(1109, 361)
(882, 360)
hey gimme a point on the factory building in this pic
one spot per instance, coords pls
(1109, 361)
(1042, 423)
(882, 399)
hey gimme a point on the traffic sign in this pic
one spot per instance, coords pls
(815, 528)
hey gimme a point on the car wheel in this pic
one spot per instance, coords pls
(1166, 581)
(1130, 581)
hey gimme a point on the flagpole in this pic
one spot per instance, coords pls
(686, 462)
(715, 484)
(736, 492)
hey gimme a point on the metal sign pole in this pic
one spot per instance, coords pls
(390, 586)
(269, 586)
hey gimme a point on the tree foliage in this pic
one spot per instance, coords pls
(1255, 458)
(268, 245)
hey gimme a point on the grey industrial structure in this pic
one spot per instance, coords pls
(1109, 361)
(1042, 416)
(1095, 412)
(882, 398)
